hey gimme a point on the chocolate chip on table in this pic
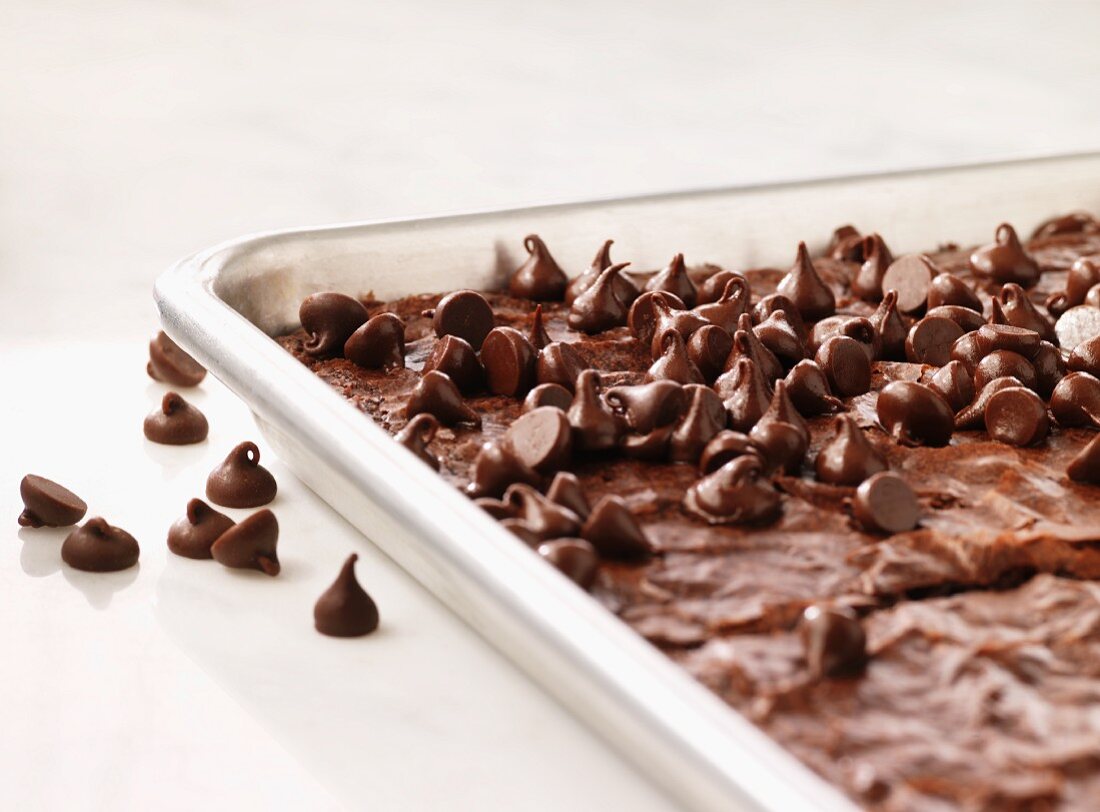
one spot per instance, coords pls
(714, 286)
(345, 609)
(969, 320)
(773, 303)
(1005, 260)
(705, 417)
(675, 280)
(599, 308)
(736, 493)
(47, 504)
(548, 394)
(600, 263)
(930, 339)
(378, 343)
(849, 458)
(674, 363)
(1077, 325)
(176, 422)
(539, 278)
(437, 395)
(96, 546)
(652, 308)
(330, 318)
(911, 276)
(1085, 467)
(846, 243)
(455, 358)
(833, 642)
(812, 298)
(416, 436)
(1016, 416)
(240, 481)
(781, 337)
(972, 416)
(967, 350)
(541, 439)
(846, 366)
(890, 327)
(1013, 306)
(1049, 367)
(885, 503)
(195, 532)
(575, 558)
(723, 447)
(171, 365)
(914, 414)
(466, 314)
(250, 544)
(612, 529)
(747, 345)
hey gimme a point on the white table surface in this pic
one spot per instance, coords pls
(132, 133)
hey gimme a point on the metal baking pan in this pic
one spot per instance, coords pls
(224, 304)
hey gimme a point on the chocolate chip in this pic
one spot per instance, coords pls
(542, 439)
(885, 503)
(176, 422)
(706, 416)
(809, 390)
(47, 504)
(714, 286)
(954, 382)
(1077, 222)
(548, 394)
(973, 416)
(1005, 260)
(496, 508)
(197, 530)
(437, 395)
(171, 365)
(845, 365)
(747, 345)
(1083, 275)
(745, 394)
(612, 529)
(913, 414)
(674, 279)
(96, 546)
(538, 278)
(599, 308)
(240, 481)
(544, 518)
(1085, 467)
(969, 320)
(1049, 368)
(652, 446)
(811, 296)
(849, 458)
(559, 363)
(1013, 306)
(708, 348)
(930, 339)
(519, 529)
(647, 406)
(1003, 364)
(455, 358)
(495, 468)
(782, 410)
(464, 313)
(1085, 357)
(574, 558)
(890, 327)
(1077, 325)
(624, 288)
(833, 642)
(780, 336)
(1016, 416)
(594, 426)
(250, 544)
(510, 362)
(345, 609)
(911, 276)
(537, 335)
(650, 307)
(416, 436)
(775, 302)
(378, 343)
(1075, 401)
(967, 350)
(846, 243)
(867, 282)
(782, 446)
(1092, 298)
(948, 289)
(724, 447)
(992, 337)
(674, 363)
(566, 490)
(329, 319)
(727, 308)
(737, 493)
(855, 327)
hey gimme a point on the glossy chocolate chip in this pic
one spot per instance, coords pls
(775, 302)
(599, 308)
(1085, 357)
(855, 327)
(948, 289)
(329, 319)
(510, 362)
(612, 529)
(1013, 306)
(176, 422)
(890, 327)
(195, 532)
(652, 307)
(782, 446)
(992, 337)
(811, 296)
(1005, 260)
(171, 365)
(846, 366)
(930, 339)
(867, 282)
(913, 414)
(47, 504)
(595, 428)
(240, 481)
(1077, 325)
(1076, 222)
(849, 458)
(973, 415)
(712, 288)
(967, 319)
(497, 508)
(519, 529)
(548, 394)
(885, 503)
(674, 364)
(345, 609)
(624, 288)
(1002, 364)
(464, 313)
(705, 417)
(967, 351)
(955, 383)
(1049, 366)
(1085, 467)
(737, 493)
(647, 406)
(675, 280)
(378, 343)
(1092, 298)
(745, 394)
(725, 310)
(539, 278)
(417, 435)
(911, 276)
(541, 439)
(575, 558)
(747, 345)
(545, 518)
(495, 468)
(708, 348)
(566, 490)
(668, 318)
(96, 546)
(455, 358)
(1083, 275)
(846, 243)
(537, 335)
(782, 410)
(781, 337)
(725, 446)
(1075, 401)
(437, 395)
(1016, 416)
(559, 363)
(809, 391)
(833, 642)
(250, 544)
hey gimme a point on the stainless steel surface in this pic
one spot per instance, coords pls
(223, 304)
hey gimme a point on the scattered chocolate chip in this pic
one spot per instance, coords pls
(652, 446)
(612, 529)
(725, 310)
(519, 529)
(575, 558)
(890, 326)
(846, 366)
(510, 362)
(674, 279)
(1092, 298)
(737, 493)
(706, 416)
(849, 458)
(652, 307)
(437, 395)
(538, 278)
(455, 358)
(780, 336)
(345, 609)
(1085, 467)
(712, 288)
(378, 343)
(809, 390)
(867, 282)
(886, 504)
(197, 530)
(948, 289)
(497, 508)
(913, 414)
(723, 447)
(857, 328)
(495, 468)
(954, 382)
(745, 394)
(1083, 275)
(973, 416)
(545, 518)
(1049, 366)
(329, 319)
(967, 350)
(747, 345)
(250, 544)
(566, 490)
(1013, 306)
(647, 406)
(967, 319)
(1005, 260)
(416, 436)
(464, 313)
(624, 288)
(1016, 416)
(708, 348)
(930, 339)
(775, 302)
(782, 410)
(548, 394)
(559, 363)
(911, 276)
(833, 642)
(674, 363)
(537, 335)
(1085, 357)
(541, 439)
(599, 308)
(811, 296)
(47, 504)
(594, 426)
(96, 546)
(1077, 325)
(240, 481)
(992, 337)
(782, 446)
(846, 243)
(1076, 222)
(176, 422)
(1075, 401)
(1002, 364)
(171, 365)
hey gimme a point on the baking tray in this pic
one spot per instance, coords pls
(224, 304)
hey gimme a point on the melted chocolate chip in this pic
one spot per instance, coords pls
(1005, 260)
(545, 518)
(809, 390)
(1077, 325)
(930, 340)
(197, 530)
(724, 447)
(885, 503)
(96, 546)
(250, 544)
(948, 289)
(913, 414)
(890, 326)
(833, 642)
(745, 394)
(548, 394)
(849, 458)
(510, 362)
(345, 609)
(171, 365)
(1085, 467)
(378, 343)
(725, 310)
(647, 406)
(781, 337)
(954, 382)
(47, 504)
(736, 493)
(973, 416)
(706, 416)
(566, 490)
(455, 358)
(576, 559)
(612, 529)
(911, 276)
(1083, 275)
(1003, 364)
(811, 296)
(537, 335)
(437, 395)
(599, 308)
(846, 366)
(652, 446)
(1016, 416)
(559, 363)
(1013, 306)
(594, 426)
(240, 481)
(416, 436)
(867, 283)
(674, 279)
(708, 348)
(539, 278)
(541, 439)
(495, 468)
(330, 318)
(464, 313)
(674, 363)
(176, 422)
(1076, 400)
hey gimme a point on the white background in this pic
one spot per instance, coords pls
(132, 133)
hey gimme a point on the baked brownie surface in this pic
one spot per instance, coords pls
(982, 688)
